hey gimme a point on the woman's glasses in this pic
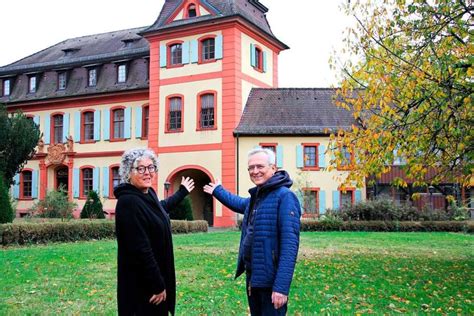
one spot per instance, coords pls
(142, 169)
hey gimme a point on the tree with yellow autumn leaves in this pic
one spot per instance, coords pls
(411, 90)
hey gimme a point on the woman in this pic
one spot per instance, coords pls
(146, 277)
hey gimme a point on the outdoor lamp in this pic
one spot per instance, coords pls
(167, 187)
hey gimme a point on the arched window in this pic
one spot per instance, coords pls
(208, 49)
(114, 180)
(347, 197)
(207, 112)
(175, 114)
(176, 54)
(88, 126)
(58, 129)
(192, 11)
(118, 123)
(258, 59)
(87, 176)
(26, 184)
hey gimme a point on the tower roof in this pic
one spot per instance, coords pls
(250, 10)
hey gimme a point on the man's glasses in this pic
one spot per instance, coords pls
(258, 167)
(142, 169)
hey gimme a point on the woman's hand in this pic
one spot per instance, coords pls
(158, 298)
(188, 183)
(209, 188)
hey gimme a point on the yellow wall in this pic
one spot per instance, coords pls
(266, 77)
(326, 181)
(190, 136)
(191, 68)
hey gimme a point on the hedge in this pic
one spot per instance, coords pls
(388, 226)
(53, 231)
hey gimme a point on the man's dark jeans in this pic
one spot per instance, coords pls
(260, 302)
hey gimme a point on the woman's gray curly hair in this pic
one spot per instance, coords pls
(130, 160)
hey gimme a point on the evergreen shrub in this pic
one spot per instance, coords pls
(33, 231)
(7, 213)
(183, 211)
(93, 207)
(389, 226)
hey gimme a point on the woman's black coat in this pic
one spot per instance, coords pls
(145, 262)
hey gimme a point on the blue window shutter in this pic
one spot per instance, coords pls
(299, 156)
(77, 126)
(279, 156)
(97, 125)
(253, 62)
(47, 129)
(95, 179)
(36, 119)
(34, 184)
(105, 182)
(138, 122)
(65, 127)
(358, 196)
(185, 52)
(322, 156)
(264, 57)
(16, 187)
(106, 129)
(335, 200)
(163, 49)
(75, 182)
(218, 46)
(322, 202)
(194, 51)
(127, 123)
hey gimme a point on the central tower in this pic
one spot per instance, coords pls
(205, 57)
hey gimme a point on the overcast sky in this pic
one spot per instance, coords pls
(312, 29)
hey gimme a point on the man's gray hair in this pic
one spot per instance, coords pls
(270, 154)
(130, 160)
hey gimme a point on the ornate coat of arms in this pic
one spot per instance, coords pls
(56, 153)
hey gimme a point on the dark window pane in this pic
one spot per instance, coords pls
(119, 123)
(87, 181)
(208, 49)
(88, 120)
(176, 54)
(58, 129)
(27, 184)
(175, 114)
(310, 156)
(207, 111)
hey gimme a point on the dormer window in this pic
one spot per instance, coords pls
(69, 51)
(62, 80)
(32, 84)
(128, 43)
(122, 73)
(6, 87)
(92, 77)
(192, 11)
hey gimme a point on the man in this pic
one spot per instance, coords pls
(270, 233)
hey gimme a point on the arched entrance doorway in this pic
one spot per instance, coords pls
(61, 177)
(202, 203)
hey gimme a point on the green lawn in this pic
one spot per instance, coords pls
(337, 273)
